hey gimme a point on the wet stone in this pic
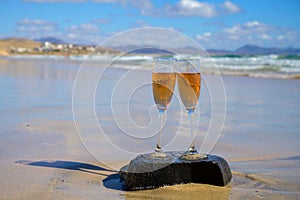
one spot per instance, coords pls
(147, 171)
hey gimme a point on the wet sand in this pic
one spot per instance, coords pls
(42, 156)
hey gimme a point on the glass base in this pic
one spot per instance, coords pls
(193, 155)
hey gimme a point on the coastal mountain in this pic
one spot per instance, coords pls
(6, 44)
(255, 50)
(252, 49)
(218, 51)
(53, 40)
(18, 42)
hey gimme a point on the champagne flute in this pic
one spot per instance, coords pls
(163, 83)
(189, 84)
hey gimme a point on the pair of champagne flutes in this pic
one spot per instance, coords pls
(165, 72)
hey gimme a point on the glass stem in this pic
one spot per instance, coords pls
(192, 148)
(161, 124)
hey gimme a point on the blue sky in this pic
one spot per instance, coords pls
(217, 24)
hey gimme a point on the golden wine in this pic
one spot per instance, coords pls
(163, 86)
(189, 89)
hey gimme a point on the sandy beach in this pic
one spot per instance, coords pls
(42, 156)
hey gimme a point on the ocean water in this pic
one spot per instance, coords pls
(267, 66)
(258, 66)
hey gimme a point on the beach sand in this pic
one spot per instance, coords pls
(42, 155)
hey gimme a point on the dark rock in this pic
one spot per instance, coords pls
(147, 172)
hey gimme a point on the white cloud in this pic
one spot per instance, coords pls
(253, 32)
(181, 8)
(280, 37)
(189, 8)
(199, 9)
(233, 30)
(84, 28)
(190, 4)
(207, 34)
(252, 24)
(71, 35)
(84, 34)
(230, 7)
(34, 22)
(55, 1)
(266, 37)
(87, 33)
(35, 28)
(204, 37)
(146, 7)
(195, 8)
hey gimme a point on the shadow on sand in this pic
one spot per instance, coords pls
(111, 181)
(83, 167)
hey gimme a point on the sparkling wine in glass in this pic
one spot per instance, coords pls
(189, 85)
(163, 83)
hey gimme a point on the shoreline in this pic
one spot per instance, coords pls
(136, 60)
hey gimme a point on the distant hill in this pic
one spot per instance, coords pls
(53, 40)
(218, 51)
(252, 49)
(255, 50)
(5, 44)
